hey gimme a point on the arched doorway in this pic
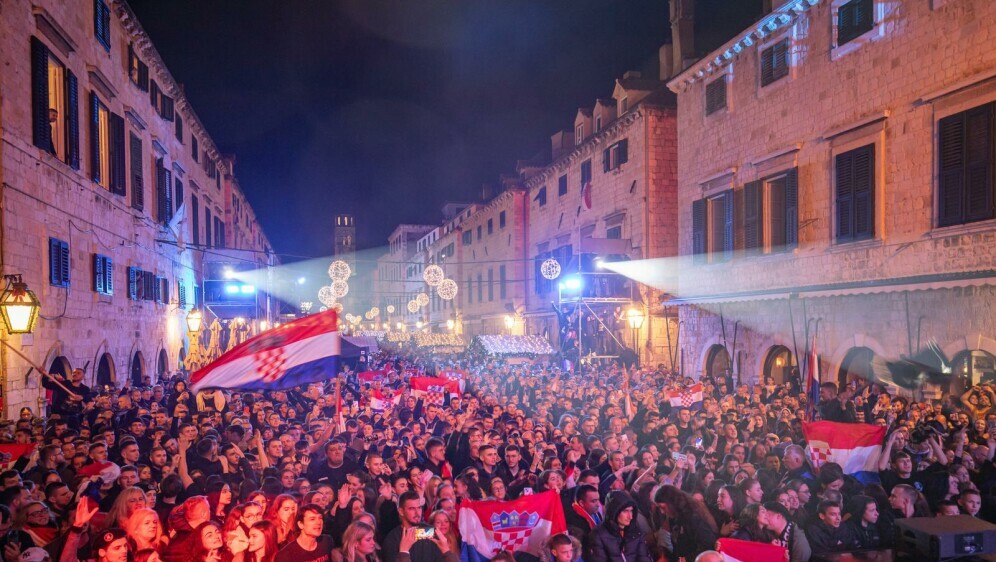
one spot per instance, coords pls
(137, 369)
(778, 364)
(857, 365)
(970, 368)
(105, 371)
(718, 362)
(162, 365)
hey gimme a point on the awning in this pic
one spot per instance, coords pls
(351, 345)
(874, 286)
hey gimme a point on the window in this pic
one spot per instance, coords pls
(854, 179)
(501, 219)
(541, 196)
(579, 135)
(219, 232)
(854, 19)
(624, 103)
(195, 222)
(585, 173)
(562, 185)
(774, 62)
(107, 147)
(162, 103)
(614, 156)
(207, 226)
(194, 151)
(137, 187)
(181, 293)
(102, 23)
(467, 237)
(58, 262)
(598, 123)
(767, 214)
(965, 147)
(179, 128)
(162, 290)
(614, 232)
(138, 71)
(470, 291)
(177, 194)
(54, 106)
(542, 284)
(502, 292)
(712, 227)
(491, 285)
(164, 193)
(491, 226)
(479, 231)
(480, 288)
(715, 93)
(103, 278)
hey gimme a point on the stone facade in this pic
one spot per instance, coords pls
(51, 199)
(885, 284)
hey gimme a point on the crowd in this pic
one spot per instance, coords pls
(163, 474)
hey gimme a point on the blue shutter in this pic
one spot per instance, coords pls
(41, 130)
(108, 276)
(98, 273)
(699, 229)
(72, 121)
(792, 208)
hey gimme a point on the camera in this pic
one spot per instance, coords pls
(923, 432)
(424, 533)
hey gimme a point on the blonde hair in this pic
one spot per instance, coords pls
(356, 531)
(118, 513)
(132, 524)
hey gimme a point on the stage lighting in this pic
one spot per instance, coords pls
(572, 283)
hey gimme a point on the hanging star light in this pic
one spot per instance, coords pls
(339, 270)
(447, 290)
(326, 296)
(422, 299)
(390, 309)
(550, 268)
(433, 275)
(340, 289)
(413, 306)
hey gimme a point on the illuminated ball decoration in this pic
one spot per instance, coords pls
(550, 268)
(339, 270)
(422, 299)
(337, 307)
(322, 309)
(433, 275)
(375, 311)
(368, 315)
(340, 289)
(390, 309)
(447, 290)
(326, 296)
(413, 306)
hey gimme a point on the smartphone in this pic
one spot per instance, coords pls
(426, 476)
(679, 457)
(424, 533)
(698, 443)
(527, 491)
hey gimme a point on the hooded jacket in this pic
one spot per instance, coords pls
(608, 543)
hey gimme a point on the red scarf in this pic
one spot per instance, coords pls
(584, 514)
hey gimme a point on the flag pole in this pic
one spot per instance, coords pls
(37, 368)
(338, 404)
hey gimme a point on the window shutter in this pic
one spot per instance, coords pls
(979, 163)
(699, 228)
(41, 131)
(160, 192)
(727, 224)
(179, 128)
(98, 273)
(779, 55)
(54, 277)
(792, 208)
(94, 137)
(72, 121)
(117, 155)
(208, 225)
(64, 263)
(951, 156)
(195, 220)
(108, 276)
(133, 283)
(716, 95)
(606, 160)
(623, 151)
(168, 193)
(137, 187)
(752, 215)
(864, 192)
(178, 194)
(739, 233)
(843, 164)
(767, 66)
(154, 94)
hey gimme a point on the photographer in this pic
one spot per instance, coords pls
(902, 471)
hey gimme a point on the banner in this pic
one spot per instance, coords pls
(433, 390)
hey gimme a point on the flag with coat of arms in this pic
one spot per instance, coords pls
(380, 401)
(299, 352)
(455, 375)
(433, 390)
(520, 525)
(856, 447)
(690, 397)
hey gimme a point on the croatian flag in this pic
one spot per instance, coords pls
(380, 401)
(433, 390)
(455, 375)
(299, 352)
(586, 196)
(690, 397)
(522, 525)
(735, 550)
(371, 376)
(856, 447)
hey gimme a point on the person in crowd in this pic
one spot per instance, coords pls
(786, 533)
(828, 534)
(617, 537)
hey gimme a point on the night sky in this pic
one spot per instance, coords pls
(387, 109)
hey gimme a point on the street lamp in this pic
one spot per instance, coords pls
(450, 324)
(419, 324)
(194, 357)
(635, 318)
(19, 306)
(509, 322)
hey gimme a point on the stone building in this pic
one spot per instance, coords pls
(609, 193)
(390, 282)
(112, 191)
(836, 188)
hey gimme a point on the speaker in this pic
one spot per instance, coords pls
(933, 539)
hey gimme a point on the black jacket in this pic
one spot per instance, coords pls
(608, 543)
(823, 538)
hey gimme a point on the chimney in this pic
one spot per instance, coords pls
(666, 56)
(683, 33)
(487, 192)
